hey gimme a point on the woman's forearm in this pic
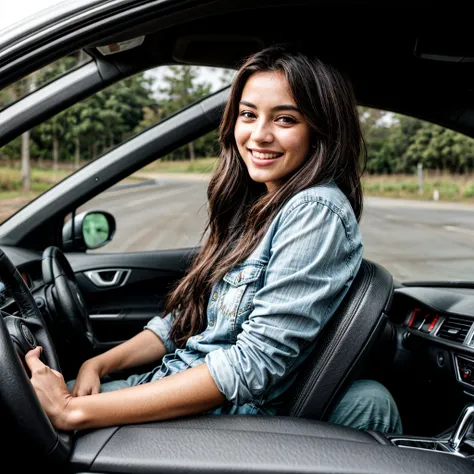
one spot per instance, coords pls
(144, 348)
(190, 392)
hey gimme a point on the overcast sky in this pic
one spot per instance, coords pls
(12, 11)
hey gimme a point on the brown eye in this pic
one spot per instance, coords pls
(286, 119)
(246, 114)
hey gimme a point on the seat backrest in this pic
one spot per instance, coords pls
(342, 345)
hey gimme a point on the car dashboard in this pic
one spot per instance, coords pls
(31, 275)
(441, 320)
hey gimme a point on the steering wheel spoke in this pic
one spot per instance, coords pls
(67, 301)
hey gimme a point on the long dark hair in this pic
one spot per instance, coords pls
(240, 209)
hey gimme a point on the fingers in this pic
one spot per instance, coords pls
(82, 391)
(32, 359)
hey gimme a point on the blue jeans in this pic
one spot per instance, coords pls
(367, 405)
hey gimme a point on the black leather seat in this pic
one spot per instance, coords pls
(343, 345)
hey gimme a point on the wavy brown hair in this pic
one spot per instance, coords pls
(240, 209)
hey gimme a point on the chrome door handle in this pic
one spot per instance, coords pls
(108, 277)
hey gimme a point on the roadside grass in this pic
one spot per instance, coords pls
(41, 180)
(201, 165)
(455, 188)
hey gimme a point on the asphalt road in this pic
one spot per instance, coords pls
(413, 240)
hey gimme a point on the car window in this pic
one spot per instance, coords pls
(164, 205)
(418, 218)
(88, 129)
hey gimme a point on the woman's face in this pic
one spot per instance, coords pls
(272, 136)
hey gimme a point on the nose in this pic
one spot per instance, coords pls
(262, 131)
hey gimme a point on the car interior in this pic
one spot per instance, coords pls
(59, 291)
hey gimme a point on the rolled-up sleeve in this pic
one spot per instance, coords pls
(161, 327)
(314, 257)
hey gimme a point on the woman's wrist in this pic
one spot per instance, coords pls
(97, 365)
(72, 416)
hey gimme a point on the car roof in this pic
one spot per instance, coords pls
(409, 59)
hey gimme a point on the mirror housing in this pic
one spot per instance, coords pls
(88, 230)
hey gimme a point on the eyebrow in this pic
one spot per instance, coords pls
(277, 108)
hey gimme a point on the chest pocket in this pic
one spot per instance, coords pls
(236, 301)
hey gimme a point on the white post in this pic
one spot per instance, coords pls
(420, 178)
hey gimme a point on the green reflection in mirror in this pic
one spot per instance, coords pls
(95, 229)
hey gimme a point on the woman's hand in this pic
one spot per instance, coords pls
(88, 380)
(50, 388)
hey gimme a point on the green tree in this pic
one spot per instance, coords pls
(53, 132)
(122, 107)
(181, 88)
(440, 149)
(226, 76)
(377, 130)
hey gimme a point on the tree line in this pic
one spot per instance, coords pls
(98, 123)
(399, 145)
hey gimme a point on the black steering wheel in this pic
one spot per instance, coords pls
(18, 334)
(64, 299)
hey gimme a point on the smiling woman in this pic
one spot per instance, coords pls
(277, 263)
(272, 135)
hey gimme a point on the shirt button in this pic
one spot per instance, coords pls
(211, 323)
(239, 277)
(214, 296)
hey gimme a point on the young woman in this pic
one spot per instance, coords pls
(284, 247)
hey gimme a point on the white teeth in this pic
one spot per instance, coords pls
(265, 156)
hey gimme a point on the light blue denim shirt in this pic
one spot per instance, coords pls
(264, 315)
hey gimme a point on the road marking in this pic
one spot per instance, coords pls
(453, 228)
(128, 243)
(393, 217)
(159, 195)
(128, 190)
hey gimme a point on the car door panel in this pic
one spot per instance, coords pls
(120, 310)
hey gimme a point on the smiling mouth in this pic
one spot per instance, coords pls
(265, 156)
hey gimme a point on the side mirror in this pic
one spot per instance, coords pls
(88, 230)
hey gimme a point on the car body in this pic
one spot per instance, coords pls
(118, 291)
